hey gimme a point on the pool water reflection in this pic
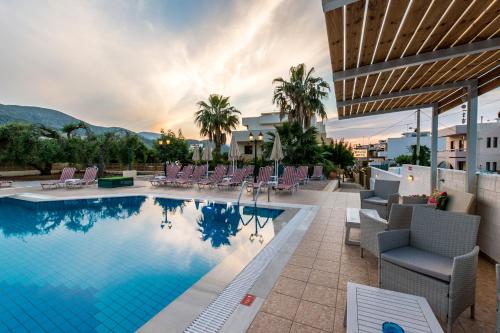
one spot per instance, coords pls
(111, 264)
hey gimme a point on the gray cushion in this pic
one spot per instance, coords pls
(427, 263)
(376, 201)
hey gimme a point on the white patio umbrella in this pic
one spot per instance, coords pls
(276, 153)
(207, 154)
(196, 154)
(234, 152)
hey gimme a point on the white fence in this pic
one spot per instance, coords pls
(416, 180)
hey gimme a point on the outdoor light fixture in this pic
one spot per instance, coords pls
(260, 137)
(168, 141)
(410, 178)
(250, 138)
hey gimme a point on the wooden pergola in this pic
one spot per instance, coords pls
(399, 55)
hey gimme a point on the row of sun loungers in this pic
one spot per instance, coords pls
(68, 180)
(222, 177)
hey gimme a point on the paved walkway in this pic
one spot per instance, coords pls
(310, 293)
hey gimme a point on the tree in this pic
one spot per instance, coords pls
(299, 145)
(172, 147)
(338, 153)
(301, 97)
(32, 145)
(216, 119)
(424, 156)
(68, 129)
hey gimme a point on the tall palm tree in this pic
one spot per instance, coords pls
(301, 97)
(216, 119)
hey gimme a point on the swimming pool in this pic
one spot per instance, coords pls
(111, 264)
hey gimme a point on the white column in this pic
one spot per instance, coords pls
(418, 137)
(470, 184)
(434, 144)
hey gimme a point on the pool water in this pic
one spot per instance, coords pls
(111, 264)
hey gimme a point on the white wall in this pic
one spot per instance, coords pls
(488, 197)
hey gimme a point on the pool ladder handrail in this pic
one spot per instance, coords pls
(256, 192)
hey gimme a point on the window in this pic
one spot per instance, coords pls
(452, 145)
(494, 167)
(495, 142)
(460, 144)
(488, 142)
(487, 166)
(248, 150)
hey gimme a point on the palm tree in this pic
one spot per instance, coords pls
(216, 119)
(301, 97)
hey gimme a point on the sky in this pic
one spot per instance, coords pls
(143, 65)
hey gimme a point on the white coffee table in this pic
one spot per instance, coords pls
(369, 307)
(352, 221)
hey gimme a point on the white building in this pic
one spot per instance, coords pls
(453, 156)
(264, 124)
(402, 145)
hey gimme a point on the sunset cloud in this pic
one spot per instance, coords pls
(144, 64)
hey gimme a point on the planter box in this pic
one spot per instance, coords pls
(112, 182)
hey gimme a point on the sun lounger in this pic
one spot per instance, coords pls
(67, 173)
(184, 175)
(172, 171)
(89, 178)
(317, 172)
(6, 183)
(289, 180)
(236, 180)
(264, 177)
(249, 169)
(215, 178)
(302, 172)
(196, 176)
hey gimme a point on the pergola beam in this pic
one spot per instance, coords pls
(405, 93)
(329, 5)
(374, 113)
(419, 59)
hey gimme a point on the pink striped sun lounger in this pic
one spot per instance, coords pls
(172, 171)
(184, 175)
(302, 172)
(264, 177)
(236, 180)
(318, 172)
(67, 173)
(196, 176)
(249, 171)
(215, 178)
(289, 180)
(6, 183)
(89, 178)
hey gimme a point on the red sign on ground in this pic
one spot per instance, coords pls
(248, 300)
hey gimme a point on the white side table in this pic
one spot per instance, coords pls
(369, 307)
(352, 221)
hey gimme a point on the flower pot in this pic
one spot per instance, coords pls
(333, 175)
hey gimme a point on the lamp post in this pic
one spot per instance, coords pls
(161, 143)
(251, 138)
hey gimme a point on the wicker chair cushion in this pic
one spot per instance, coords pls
(376, 201)
(423, 262)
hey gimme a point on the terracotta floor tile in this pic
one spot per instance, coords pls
(265, 323)
(332, 255)
(281, 305)
(331, 246)
(300, 328)
(302, 261)
(290, 287)
(326, 265)
(306, 251)
(343, 279)
(323, 278)
(310, 244)
(316, 315)
(320, 294)
(341, 299)
(296, 272)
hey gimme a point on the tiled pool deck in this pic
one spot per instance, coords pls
(309, 295)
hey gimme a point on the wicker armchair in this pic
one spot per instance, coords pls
(399, 218)
(435, 258)
(383, 195)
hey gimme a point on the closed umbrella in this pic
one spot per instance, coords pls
(234, 152)
(276, 153)
(207, 154)
(196, 154)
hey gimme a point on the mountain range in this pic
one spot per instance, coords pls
(57, 119)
